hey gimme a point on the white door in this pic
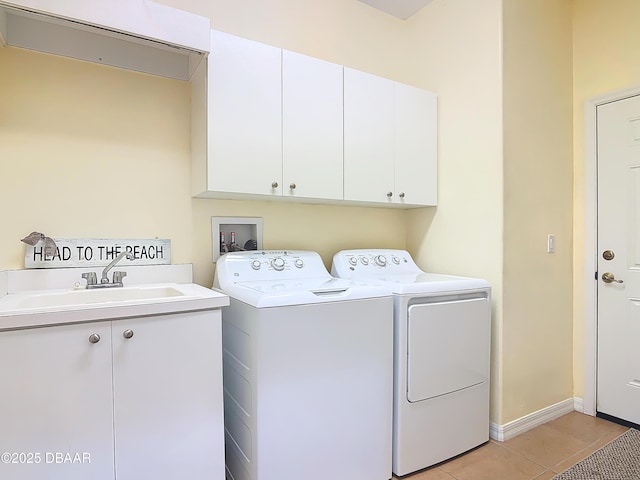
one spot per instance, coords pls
(56, 400)
(445, 356)
(416, 151)
(368, 137)
(311, 127)
(618, 276)
(245, 116)
(167, 388)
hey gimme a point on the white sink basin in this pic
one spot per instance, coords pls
(60, 306)
(68, 298)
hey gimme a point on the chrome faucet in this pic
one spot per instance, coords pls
(105, 279)
(92, 281)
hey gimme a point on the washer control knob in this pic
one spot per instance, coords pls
(380, 260)
(256, 264)
(298, 263)
(353, 261)
(395, 260)
(364, 260)
(278, 264)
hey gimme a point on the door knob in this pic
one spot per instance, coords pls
(94, 338)
(127, 333)
(609, 277)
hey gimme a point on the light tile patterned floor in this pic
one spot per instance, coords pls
(538, 454)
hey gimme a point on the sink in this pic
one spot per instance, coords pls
(34, 308)
(34, 298)
(76, 298)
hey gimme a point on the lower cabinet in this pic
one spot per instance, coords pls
(135, 398)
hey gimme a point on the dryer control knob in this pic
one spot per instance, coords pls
(380, 260)
(298, 263)
(256, 264)
(353, 260)
(395, 260)
(278, 264)
(364, 260)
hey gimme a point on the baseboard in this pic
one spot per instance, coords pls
(578, 404)
(509, 430)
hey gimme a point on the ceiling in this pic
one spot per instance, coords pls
(398, 8)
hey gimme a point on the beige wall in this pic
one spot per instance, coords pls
(537, 309)
(456, 48)
(90, 151)
(605, 40)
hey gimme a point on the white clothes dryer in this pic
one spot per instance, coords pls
(308, 370)
(442, 337)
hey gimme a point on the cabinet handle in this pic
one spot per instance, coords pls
(127, 333)
(292, 186)
(274, 185)
(401, 195)
(94, 338)
(389, 194)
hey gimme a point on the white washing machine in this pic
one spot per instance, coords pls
(308, 370)
(442, 338)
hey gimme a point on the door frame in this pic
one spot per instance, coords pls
(590, 260)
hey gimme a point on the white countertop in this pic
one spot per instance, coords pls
(15, 293)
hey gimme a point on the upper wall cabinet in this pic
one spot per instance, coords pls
(390, 152)
(368, 137)
(138, 35)
(237, 125)
(271, 123)
(312, 98)
(415, 146)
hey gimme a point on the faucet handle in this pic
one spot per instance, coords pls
(90, 277)
(118, 276)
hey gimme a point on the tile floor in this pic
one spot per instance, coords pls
(538, 454)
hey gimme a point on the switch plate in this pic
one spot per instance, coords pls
(551, 243)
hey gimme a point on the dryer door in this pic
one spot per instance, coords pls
(448, 347)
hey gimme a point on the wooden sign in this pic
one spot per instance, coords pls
(93, 252)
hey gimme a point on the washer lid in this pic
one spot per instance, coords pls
(271, 278)
(277, 293)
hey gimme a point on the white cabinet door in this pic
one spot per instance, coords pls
(368, 137)
(167, 383)
(415, 146)
(56, 400)
(244, 116)
(312, 97)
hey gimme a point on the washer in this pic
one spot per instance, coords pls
(308, 370)
(442, 338)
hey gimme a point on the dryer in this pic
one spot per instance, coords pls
(308, 370)
(442, 337)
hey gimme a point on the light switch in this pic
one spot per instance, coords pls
(551, 243)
